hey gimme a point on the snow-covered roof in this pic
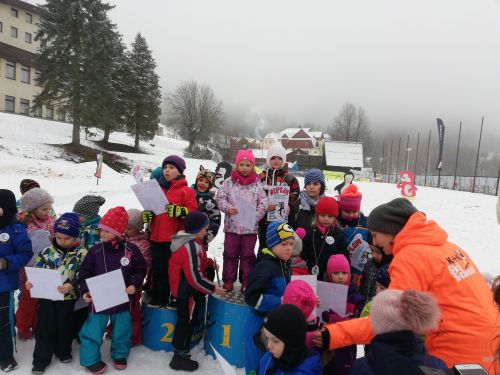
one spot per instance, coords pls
(316, 134)
(344, 154)
(262, 153)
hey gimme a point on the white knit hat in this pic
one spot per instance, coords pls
(35, 198)
(276, 150)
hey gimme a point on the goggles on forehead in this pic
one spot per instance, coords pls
(285, 231)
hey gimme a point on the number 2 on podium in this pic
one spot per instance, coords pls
(168, 336)
(226, 334)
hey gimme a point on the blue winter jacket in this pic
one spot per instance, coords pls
(15, 247)
(310, 366)
(396, 353)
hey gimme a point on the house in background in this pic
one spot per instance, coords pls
(295, 139)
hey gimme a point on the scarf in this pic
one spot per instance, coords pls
(307, 202)
(235, 176)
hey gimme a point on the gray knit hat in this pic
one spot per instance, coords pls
(35, 198)
(391, 217)
(135, 219)
(88, 206)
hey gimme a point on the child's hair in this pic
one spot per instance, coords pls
(35, 198)
(300, 294)
(395, 310)
(338, 263)
(350, 199)
(327, 206)
(9, 207)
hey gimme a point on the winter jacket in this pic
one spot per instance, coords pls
(279, 177)
(298, 266)
(303, 212)
(89, 232)
(15, 247)
(317, 250)
(208, 205)
(106, 257)
(163, 227)
(361, 221)
(310, 366)
(391, 353)
(425, 261)
(252, 193)
(66, 261)
(187, 265)
(142, 242)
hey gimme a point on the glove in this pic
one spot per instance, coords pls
(3, 264)
(147, 217)
(175, 211)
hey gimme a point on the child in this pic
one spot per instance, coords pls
(287, 353)
(206, 203)
(300, 294)
(303, 211)
(350, 208)
(182, 200)
(275, 173)
(15, 253)
(239, 241)
(266, 284)
(55, 318)
(87, 208)
(25, 186)
(36, 205)
(187, 280)
(324, 238)
(297, 265)
(367, 286)
(339, 272)
(136, 236)
(397, 319)
(111, 254)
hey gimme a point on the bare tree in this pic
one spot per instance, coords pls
(351, 124)
(194, 109)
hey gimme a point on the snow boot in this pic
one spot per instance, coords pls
(8, 364)
(38, 370)
(66, 359)
(97, 368)
(183, 362)
(120, 364)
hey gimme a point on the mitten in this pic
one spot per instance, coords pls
(147, 217)
(175, 211)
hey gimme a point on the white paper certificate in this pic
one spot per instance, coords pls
(151, 196)
(45, 283)
(107, 290)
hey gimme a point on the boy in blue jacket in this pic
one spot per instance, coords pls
(15, 253)
(266, 285)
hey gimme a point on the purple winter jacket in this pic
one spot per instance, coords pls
(106, 257)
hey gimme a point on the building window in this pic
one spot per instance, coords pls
(27, 38)
(61, 115)
(14, 12)
(10, 72)
(25, 106)
(1, 27)
(25, 74)
(13, 32)
(29, 18)
(37, 111)
(50, 112)
(37, 77)
(10, 103)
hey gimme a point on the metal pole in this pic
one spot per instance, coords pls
(397, 163)
(439, 177)
(390, 162)
(383, 156)
(498, 180)
(427, 162)
(456, 160)
(416, 154)
(477, 157)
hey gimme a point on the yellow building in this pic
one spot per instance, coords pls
(18, 26)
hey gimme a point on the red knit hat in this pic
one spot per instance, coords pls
(115, 221)
(350, 199)
(327, 206)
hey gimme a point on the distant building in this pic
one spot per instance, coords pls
(343, 156)
(295, 139)
(18, 26)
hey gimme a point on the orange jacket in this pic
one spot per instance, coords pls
(424, 260)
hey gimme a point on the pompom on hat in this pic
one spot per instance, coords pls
(35, 198)
(115, 221)
(350, 199)
(300, 233)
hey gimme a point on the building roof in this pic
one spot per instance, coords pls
(344, 154)
(22, 5)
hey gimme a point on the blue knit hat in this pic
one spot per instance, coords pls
(277, 232)
(68, 224)
(195, 221)
(314, 175)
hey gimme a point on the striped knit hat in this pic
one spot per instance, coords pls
(277, 232)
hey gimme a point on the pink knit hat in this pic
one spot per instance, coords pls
(338, 263)
(300, 294)
(350, 199)
(245, 155)
(394, 310)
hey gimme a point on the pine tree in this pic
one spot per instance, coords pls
(143, 96)
(75, 60)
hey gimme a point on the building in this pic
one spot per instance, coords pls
(18, 26)
(343, 156)
(299, 140)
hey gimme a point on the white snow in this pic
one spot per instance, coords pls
(25, 152)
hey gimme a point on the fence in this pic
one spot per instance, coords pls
(485, 185)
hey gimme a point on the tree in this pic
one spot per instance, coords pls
(195, 109)
(73, 53)
(142, 95)
(351, 124)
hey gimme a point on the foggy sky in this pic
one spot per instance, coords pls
(405, 62)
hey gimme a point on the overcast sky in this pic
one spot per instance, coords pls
(405, 62)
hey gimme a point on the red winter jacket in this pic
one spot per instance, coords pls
(164, 227)
(187, 265)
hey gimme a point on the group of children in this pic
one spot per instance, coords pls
(320, 236)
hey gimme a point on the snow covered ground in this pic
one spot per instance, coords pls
(26, 152)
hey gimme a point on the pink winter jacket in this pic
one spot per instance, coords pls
(253, 193)
(142, 242)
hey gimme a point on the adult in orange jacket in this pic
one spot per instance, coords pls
(424, 260)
